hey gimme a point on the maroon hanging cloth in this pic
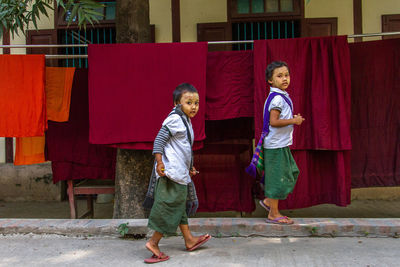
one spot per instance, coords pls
(375, 124)
(324, 178)
(229, 91)
(320, 90)
(131, 85)
(222, 183)
(67, 143)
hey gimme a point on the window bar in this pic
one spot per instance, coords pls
(238, 30)
(111, 36)
(265, 30)
(79, 49)
(286, 36)
(86, 61)
(91, 36)
(292, 28)
(245, 45)
(252, 34)
(258, 30)
(272, 30)
(104, 36)
(73, 49)
(66, 41)
(98, 35)
(279, 30)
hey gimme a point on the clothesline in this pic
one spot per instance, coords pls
(210, 43)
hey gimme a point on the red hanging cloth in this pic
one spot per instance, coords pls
(22, 96)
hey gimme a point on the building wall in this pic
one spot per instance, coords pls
(342, 9)
(2, 150)
(200, 11)
(28, 183)
(160, 16)
(373, 10)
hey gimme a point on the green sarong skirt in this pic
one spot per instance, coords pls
(169, 208)
(281, 172)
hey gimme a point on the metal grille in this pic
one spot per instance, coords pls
(88, 36)
(262, 31)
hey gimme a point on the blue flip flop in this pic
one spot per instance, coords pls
(277, 220)
(264, 206)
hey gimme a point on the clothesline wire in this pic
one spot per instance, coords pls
(210, 43)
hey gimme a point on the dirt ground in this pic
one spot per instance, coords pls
(60, 210)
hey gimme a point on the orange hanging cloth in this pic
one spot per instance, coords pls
(58, 92)
(22, 95)
(58, 85)
(29, 150)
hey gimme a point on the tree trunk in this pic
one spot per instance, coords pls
(132, 21)
(134, 167)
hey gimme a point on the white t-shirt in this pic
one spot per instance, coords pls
(178, 151)
(279, 137)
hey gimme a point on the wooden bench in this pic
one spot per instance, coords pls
(89, 188)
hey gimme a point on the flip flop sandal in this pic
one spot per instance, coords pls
(277, 220)
(199, 243)
(262, 204)
(155, 258)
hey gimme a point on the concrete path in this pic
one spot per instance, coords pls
(51, 250)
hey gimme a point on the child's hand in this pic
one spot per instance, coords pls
(193, 171)
(298, 119)
(160, 168)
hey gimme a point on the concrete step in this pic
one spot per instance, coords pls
(218, 227)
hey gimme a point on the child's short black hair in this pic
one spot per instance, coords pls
(180, 89)
(269, 71)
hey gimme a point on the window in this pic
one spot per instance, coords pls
(97, 35)
(265, 8)
(264, 19)
(262, 30)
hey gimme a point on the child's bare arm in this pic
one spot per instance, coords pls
(274, 120)
(160, 165)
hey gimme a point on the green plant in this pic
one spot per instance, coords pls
(123, 229)
(236, 234)
(313, 230)
(15, 15)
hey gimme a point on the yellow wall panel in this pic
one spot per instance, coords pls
(160, 16)
(200, 11)
(372, 14)
(342, 9)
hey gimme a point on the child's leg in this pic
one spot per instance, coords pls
(152, 244)
(190, 240)
(274, 213)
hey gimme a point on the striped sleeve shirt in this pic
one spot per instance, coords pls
(161, 140)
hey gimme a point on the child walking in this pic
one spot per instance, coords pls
(174, 169)
(280, 169)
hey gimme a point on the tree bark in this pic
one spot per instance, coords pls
(133, 168)
(132, 21)
(133, 171)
